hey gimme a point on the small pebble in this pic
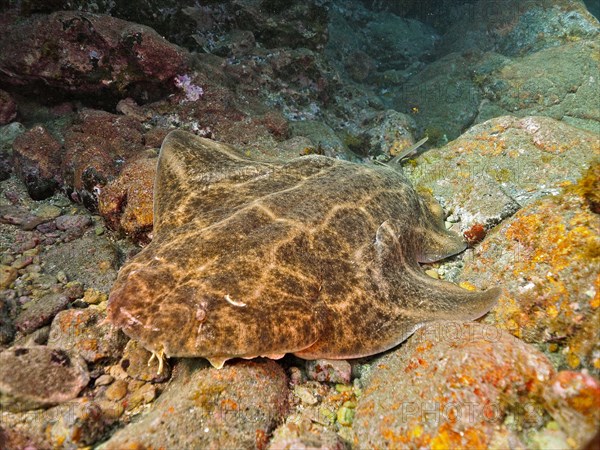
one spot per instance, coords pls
(117, 390)
(47, 212)
(62, 202)
(8, 274)
(343, 388)
(117, 372)
(94, 297)
(142, 395)
(12, 197)
(24, 246)
(31, 223)
(433, 273)
(9, 294)
(99, 230)
(32, 252)
(104, 380)
(330, 371)
(134, 385)
(305, 395)
(61, 276)
(34, 268)
(22, 261)
(49, 241)
(345, 414)
(71, 221)
(296, 376)
(74, 290)
(46, 227)
(110, 409)
(6, 259)
(327, 414)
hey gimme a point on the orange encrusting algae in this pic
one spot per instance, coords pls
(548, 257)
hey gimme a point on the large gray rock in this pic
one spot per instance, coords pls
(512, 26)
(499, 166)
(560, 82)
(443, 98)
(40, 312)
(398, 42)
(39, 376)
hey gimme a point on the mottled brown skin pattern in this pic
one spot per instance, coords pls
(314, 256)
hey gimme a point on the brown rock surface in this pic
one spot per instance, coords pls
(222, 407)
(8, 108)
(36, 156)
(126, 202)
(96, 147)
(84, 53)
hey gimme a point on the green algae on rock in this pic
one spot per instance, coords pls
(559, 82)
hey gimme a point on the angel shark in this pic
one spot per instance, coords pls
(312, 256)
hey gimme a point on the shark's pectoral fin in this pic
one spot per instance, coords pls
(416, 298)
(420, 299)
(447, 301)
(406, 298)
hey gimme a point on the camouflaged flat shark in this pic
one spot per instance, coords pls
(314, 256)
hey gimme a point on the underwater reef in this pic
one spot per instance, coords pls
(506, 95)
